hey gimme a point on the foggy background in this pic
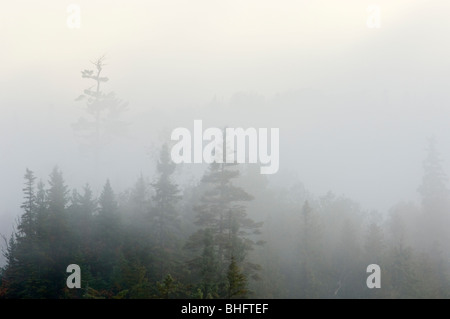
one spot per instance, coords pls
(354, 105)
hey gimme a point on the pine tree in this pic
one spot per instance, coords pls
(167, 287)
(26, 235)
(310, 252)
(30, 265)
(237, 282)
(165, 223)
(27, 253)
(209, 267)
(27, 227)
(140, 199)
(222, 213)
(107, 201)
(104, 110)
(87, 203)
(402, 273)
(56, 243)
(350, 271)
(108, 236)
(57, 200)
(130, 276)
(11, 276)
(108, 216)
(138, 241)
(435, 200)
(81, 217)
(433, 189)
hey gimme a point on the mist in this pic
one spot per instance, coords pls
(356, 108)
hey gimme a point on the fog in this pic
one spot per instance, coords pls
(355, 105)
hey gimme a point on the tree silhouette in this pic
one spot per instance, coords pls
(104, 110)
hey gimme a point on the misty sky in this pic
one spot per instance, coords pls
(354, 105)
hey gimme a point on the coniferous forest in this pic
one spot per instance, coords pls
(224, 150)
(229, 236)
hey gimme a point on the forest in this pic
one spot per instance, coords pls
(355, 96)
(232, 235)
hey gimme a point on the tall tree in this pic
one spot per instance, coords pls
(209, 266)
(11, 279)
(108, 236)
(27, 227)
(435, 199)
(37, 253)
(140, 198)
(57, 244)
(310, 252)
(237, 282)
(165, 214)
(57, 200)
(82, 210)
(222, 213)
(104, 110)
(27, 245)
(434, 188)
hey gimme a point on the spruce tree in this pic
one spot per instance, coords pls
(165, 216)
(434, 188)
(237, 282)
(12, 284)
(27, 226)
(108, 236)
(435, 200)
(57, 246)
(310, 253)
(221, 212)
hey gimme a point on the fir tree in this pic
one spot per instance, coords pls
(108, 237)
(164, 215)
(237, 282)
(27, 226)
(222, 213)
(435, 200)
(433, 189)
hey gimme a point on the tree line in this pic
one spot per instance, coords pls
(231, 235)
